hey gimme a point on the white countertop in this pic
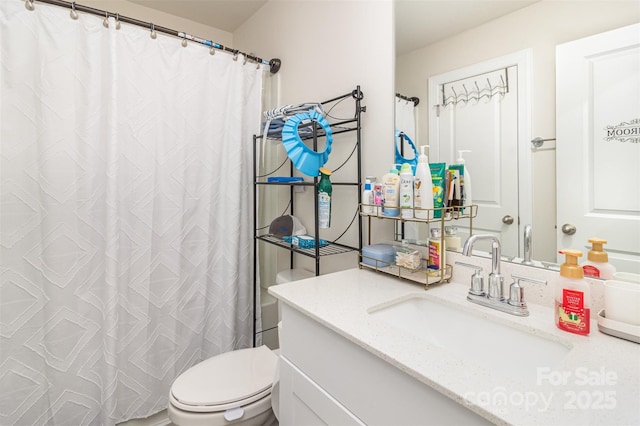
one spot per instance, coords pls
(597, 383)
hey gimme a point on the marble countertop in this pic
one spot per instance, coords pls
(597, 383)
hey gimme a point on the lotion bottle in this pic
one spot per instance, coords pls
(406, 191)
(391, 189)
(367, 199)
(423, 187)
(466, 179)
(597, 264)
(572, 296)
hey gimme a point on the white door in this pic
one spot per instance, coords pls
(492, 125)
(598, 144)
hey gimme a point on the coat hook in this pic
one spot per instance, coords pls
(73, 13)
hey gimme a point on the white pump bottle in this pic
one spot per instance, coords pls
(468, 195)
(423, 187)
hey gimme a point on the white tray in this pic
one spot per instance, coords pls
(618, 329)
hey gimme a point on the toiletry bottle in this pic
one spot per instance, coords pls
(436, 254)
(324, 198)
(367, 198)
(572, 296)
(423, 187)
(597, 264)
(391, 189)
(406, 191)
(466, 179)
(378, 198)
(438, 172)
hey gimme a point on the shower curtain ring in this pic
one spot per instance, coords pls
(105, 23)
(29, 5)
(235, 55)
(184, 41)
(73, 13)
(117, 21)
(212, 51)
(153, 31)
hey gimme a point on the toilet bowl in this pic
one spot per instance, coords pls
(234, 388)
(231, 388)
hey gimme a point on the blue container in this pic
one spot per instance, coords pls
(379, 255)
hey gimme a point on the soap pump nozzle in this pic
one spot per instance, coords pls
(460, 159)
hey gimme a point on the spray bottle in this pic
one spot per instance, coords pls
(572, 296)
(324, 198)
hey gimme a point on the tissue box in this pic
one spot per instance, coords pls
(304, 241)
(384, 254)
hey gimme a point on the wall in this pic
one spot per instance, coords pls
(540, 27)
(327, 48)
(146, 14)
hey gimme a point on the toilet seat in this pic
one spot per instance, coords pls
(229, 380)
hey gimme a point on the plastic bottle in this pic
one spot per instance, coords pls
(367, 198)
(378, 197)
(391, 189)
(406, 191)
(324, 198)
(466, 179)
(572, 296)
(423, 187)
(597, 264)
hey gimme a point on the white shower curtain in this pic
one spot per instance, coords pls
(126, 240)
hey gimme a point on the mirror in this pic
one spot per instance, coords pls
(436, 37)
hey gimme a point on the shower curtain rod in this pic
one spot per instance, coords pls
(274, 64)
(413, 99)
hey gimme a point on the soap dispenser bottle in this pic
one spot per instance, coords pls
(423, 187)
(572, 296)
(597, 264)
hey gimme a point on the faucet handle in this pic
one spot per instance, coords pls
(477, 280)
(516, 292)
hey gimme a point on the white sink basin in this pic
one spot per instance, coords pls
(496, 347)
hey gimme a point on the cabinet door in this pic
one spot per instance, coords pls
(303, 402)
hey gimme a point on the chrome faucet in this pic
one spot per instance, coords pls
(494, 298)
(528, 245)
(496, 279)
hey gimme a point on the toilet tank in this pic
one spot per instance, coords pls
(289, 275)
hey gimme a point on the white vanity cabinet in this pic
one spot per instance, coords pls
(325, 379)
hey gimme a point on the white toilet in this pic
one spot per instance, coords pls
(231, 388)
(238, 387)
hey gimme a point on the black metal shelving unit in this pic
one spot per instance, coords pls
(352, 125)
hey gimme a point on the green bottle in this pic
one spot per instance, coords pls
(324, 198)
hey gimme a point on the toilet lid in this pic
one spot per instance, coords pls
(232, 378)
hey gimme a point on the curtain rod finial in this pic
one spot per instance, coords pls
(274, 65)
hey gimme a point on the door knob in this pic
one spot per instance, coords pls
(568, 229)
(507, 220)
